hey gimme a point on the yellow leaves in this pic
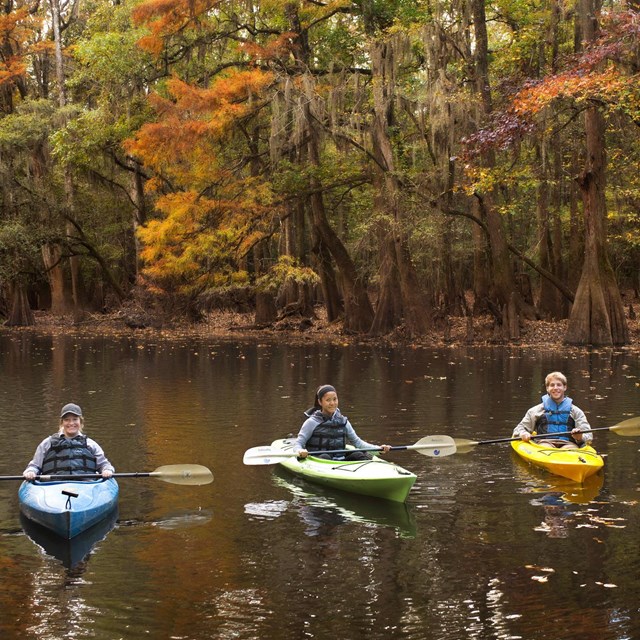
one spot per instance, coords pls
(286, 269)
(199, 239)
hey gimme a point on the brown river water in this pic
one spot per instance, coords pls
(485, 547)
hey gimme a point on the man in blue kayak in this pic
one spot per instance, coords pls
(556, 414)
(69, 451)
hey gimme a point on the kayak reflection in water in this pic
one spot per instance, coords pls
(69, 451)
(554, 415)
(327, 429)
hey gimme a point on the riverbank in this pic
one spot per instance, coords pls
(450, 331)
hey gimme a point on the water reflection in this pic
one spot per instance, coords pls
(538, 481)
(181, 520)
(75, 552)
(321, 510)
(284, 560)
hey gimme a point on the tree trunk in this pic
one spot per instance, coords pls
(77, 290)
(328, 281)
(358, 312)
(20, 314)
(293, 243)
(389, 303)
(51, 256)
(139, 215)
(597, 317)
(266, 312)
(415, 310)
(549, 299)
(503, 290)
(480, 266)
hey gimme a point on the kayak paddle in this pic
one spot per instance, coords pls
(173, 473)
(432, 446)
(630, 427)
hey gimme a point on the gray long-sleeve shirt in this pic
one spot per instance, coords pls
(38, 458)
(528, 423)
(308, 426)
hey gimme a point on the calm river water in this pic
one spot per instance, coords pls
(485, 547)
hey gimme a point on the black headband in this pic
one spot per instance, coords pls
(325, 388)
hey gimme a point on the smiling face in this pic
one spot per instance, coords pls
(71, 425)
(556, 389)
(329, 403)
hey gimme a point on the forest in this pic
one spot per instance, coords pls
(395, 162)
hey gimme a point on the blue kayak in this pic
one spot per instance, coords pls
(68, 507)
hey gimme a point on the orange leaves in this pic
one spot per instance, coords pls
(13, 23)
(168, 17)
(11, 70)
(214, 212)
(272, 49)
(604, 72)
(603, 85)
(182, 143)
(224, 97)
(17, 31)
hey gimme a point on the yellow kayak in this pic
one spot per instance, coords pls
(575, 464)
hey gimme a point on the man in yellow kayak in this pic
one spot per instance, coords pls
(554, 415)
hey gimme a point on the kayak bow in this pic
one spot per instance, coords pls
(69, 507)
(575, 464)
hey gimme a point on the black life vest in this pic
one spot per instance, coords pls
(68, 456)
(330, 434)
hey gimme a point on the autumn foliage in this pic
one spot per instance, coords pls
(211, 211)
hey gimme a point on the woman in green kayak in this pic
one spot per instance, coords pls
(326, 429)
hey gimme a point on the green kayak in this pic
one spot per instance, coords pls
(376, 477)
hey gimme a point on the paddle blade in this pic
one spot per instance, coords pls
(630, 427)
(264, 455)
(435, 446)
(183, 474)
(464, 446)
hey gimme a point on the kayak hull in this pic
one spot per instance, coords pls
(575, 464)
(377, 478)
(67, 508)
(70, 552)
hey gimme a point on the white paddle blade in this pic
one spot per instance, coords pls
(264, 455)
(435, 446)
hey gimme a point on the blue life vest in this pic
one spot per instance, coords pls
(68, 456)
(331, 433)
(556, 418)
